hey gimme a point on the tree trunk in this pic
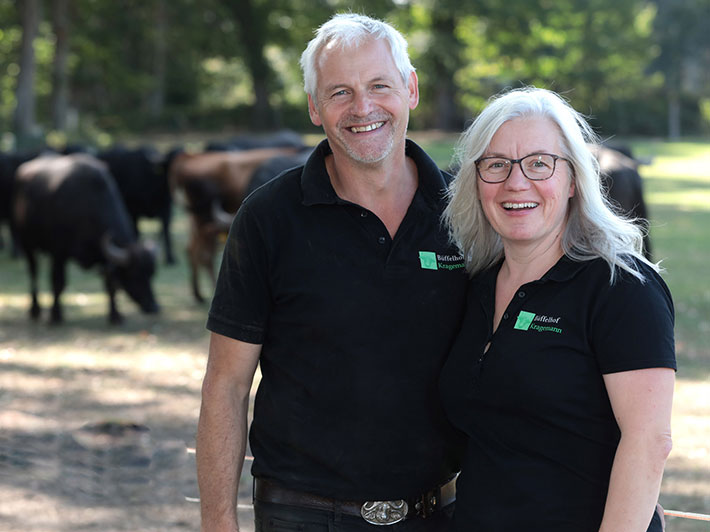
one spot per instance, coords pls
(60, 81)
(253, 37)
(445, 62)
(156, 99)
(674, 128)
(24, 116)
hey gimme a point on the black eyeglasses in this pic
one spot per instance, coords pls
(536, 167)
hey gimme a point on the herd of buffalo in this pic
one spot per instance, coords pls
(84, 205)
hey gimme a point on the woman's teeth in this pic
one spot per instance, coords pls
(513, 206)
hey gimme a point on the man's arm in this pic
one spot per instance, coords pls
(641, 400)
(222, 429)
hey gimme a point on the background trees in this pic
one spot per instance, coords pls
(80, 68)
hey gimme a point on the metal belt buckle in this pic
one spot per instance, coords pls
(384, 512)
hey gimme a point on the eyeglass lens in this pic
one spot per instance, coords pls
(535, 166)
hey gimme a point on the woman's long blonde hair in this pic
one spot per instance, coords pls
(593, 230)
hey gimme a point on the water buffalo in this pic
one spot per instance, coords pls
(279, 139)
(69, 207)
(213, 185)
(9, 162)
(141, 176)
(270, 168)
(624, 186)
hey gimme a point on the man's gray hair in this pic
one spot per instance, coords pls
(592, 231)
(347, 30)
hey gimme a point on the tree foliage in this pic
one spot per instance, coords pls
(133, 65)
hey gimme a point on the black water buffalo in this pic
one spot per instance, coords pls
(69, 207)
(142, 179)
(624, 186)
(276, 165)
(284, 138)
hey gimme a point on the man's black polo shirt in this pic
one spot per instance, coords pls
(355, 327)
(542, 434)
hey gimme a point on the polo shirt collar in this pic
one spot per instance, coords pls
(317, 188)
(564, 270)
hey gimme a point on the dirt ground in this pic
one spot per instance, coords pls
(100, 438)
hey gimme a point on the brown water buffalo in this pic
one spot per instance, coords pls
(213, 185)
(69, 207)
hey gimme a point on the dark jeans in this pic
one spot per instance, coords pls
(271, 517)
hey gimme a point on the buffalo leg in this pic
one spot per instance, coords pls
(193, 254)
(35, 309)
(114, 316)
(58, 284)
(167, 240)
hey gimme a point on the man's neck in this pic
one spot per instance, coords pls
(385, 188)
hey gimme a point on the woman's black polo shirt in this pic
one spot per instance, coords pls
(542, 434)
(355, 327)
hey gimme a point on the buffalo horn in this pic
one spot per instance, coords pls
(113, 253)
(222, 217)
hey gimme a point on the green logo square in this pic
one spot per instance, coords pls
(524, 320)
(428, 260)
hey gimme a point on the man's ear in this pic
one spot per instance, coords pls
(313, 112)
(413, 86)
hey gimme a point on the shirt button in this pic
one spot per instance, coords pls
(363, 214)
(521, 294)
(382, 240)
(505, 316)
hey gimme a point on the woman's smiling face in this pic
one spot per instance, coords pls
(522, 211)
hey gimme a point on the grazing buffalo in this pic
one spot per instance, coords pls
(141, 176)
(69, 207)
(624, 186)
(213, 185)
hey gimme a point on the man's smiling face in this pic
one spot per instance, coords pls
(362, 102)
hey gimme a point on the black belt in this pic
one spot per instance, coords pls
(375, 512)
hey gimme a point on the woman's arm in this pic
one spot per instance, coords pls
(641, 401)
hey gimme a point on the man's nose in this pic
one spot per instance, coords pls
(362, 103)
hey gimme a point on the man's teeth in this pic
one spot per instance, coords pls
(528, 205)
(370, 127)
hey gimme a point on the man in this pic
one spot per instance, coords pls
(338, 279)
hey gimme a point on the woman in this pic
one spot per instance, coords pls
(562, 375)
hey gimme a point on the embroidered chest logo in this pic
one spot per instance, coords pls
(529, 321)
(430, 260)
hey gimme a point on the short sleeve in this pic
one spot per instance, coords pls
(242, 298)
(632, 324)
